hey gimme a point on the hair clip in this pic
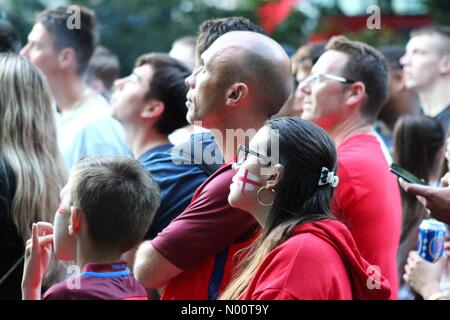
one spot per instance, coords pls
(328, 177)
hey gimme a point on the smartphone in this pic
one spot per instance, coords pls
(406, 175)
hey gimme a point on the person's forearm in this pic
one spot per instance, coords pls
(147, 275)
(151, 269)
(31, 293)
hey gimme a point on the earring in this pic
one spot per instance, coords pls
(259, 200)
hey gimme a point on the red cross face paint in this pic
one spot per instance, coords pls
(246, 180)
(61, 209)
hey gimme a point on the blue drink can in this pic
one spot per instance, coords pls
(430, 244)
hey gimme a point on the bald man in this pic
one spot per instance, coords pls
(243, 79)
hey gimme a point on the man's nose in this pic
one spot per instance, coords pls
(190, 81)
(24, 51)
(118, 84)
(305, 87)
(404, 60)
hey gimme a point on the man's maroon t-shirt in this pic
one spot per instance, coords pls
(203, 240)
(102, 281)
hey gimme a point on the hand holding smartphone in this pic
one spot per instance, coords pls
(406, 175)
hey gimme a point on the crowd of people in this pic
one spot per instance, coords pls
(224, 169)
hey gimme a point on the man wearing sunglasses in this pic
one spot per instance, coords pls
(344, 95)
(242, 80)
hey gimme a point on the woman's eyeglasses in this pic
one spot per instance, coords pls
(243, 153)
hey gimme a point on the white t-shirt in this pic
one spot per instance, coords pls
(90, 130)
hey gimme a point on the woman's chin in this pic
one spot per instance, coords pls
(231, 199)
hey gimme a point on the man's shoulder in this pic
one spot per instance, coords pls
(361, 151)
(365, 141)
(65, 290)
(445, 113)
(220, 181)
(93, 115)
(362, 164)
(94, 107)
(167, 163)
(444, 118)
(199, 150)
(103, 123)
(169, 173)
(97, 101)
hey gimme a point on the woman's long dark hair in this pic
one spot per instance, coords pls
(418, 140)
(443, 166)
(304, 148)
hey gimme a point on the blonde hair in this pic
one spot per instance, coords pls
(28, 143)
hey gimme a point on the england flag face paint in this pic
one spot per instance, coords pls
(61, 209)
(246, 180)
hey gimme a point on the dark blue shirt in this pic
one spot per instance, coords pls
(177, 182)
(444, 119)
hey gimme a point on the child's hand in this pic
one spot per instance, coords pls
(38, 252)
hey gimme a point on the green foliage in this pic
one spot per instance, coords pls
(376, 38)
(133, 27)
(21, 13)
(288, 33)
(130, 28)
(440, 10)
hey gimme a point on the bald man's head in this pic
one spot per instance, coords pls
(260, 63)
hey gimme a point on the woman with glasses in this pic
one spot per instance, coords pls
(285, 180)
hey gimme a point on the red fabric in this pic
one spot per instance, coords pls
(192, 284)
(368, 199)
(207, 227)
(271, 14)
(319, 262)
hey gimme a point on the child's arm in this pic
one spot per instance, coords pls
(37, 258)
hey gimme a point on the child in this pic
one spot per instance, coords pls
(106, 209)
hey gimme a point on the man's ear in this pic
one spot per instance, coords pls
(97, 85)
(67, 58)
(76, 220)
(356, 93)
(276, 177)
(444, 64)
(236, 93)
(152, 109)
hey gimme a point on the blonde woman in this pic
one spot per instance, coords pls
(32, 171)
(303, 252)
